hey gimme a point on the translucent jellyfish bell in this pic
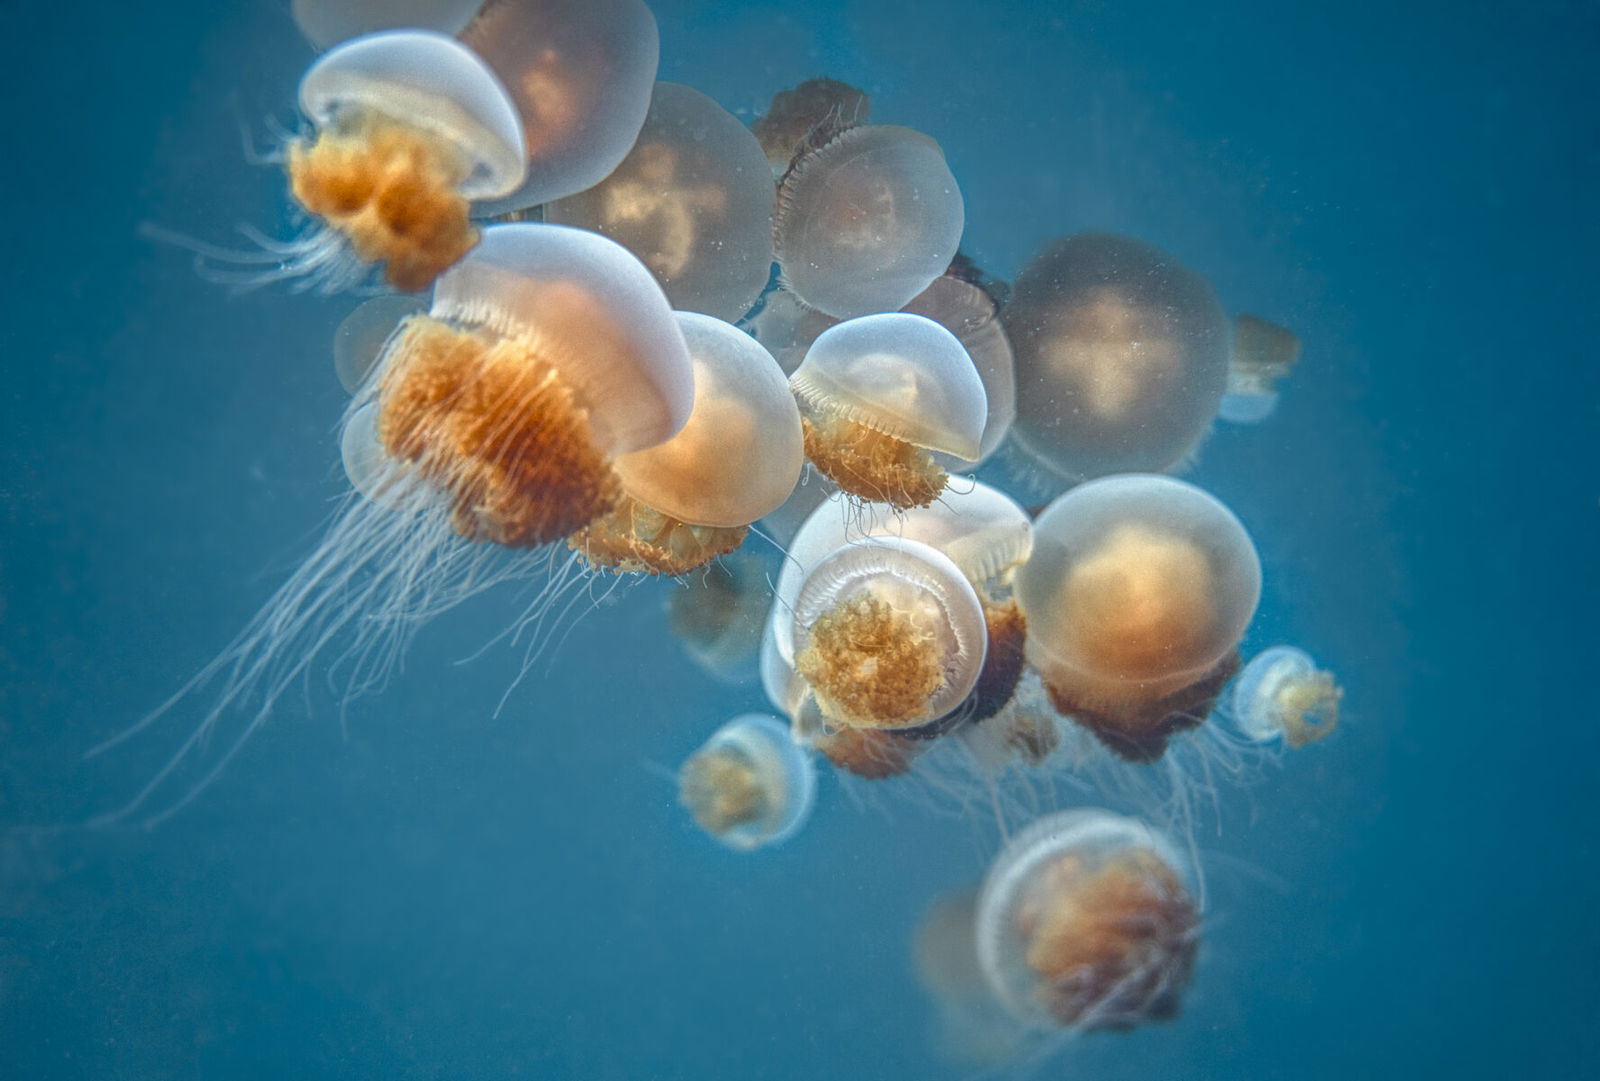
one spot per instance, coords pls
(1087, 921)
(360, 337)
(972, 316)
(878, 394)
(1138, 591)
(973, 1026)
(749, 785)
(719, 615)
(692, 498)
(370, 469)
(326, 23)
(888, 634)
(867, 220)
(410, 126)
(580, 73)
(1282, 694)
(1263, 354)
(1121, 357)
(693, 200)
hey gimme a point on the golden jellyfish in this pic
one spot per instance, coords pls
(1263, 354)
(973, 1026)
(1121, 357)
(580, 73)
(1087, 921)
(360, 337)
(749, 785)
(693, 200)
(1282, 695)
(326, 23)
(691, 498)
(1136, 596)
(867, 220)
(879, 394)
(808, 115)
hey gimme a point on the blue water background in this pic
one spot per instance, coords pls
(433, 891)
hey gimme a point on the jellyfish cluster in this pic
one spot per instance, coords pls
(611, 332)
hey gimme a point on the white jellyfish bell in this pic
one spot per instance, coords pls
(749, 785)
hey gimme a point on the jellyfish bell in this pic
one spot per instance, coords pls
(1136, 596)
(580, 73)
(1087, 921)
(326, 23)
(719, 615)
(866, 221)
(1263, 354)
(972, 315)
(787, 327)
(879, 394)
(1121, 357)
(693, 200)
(1282, 695)
(749, 785)
(692, 498)
(972, 1026)
(806, 116)
(359, 340)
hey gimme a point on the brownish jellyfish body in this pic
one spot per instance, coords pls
(807, 116)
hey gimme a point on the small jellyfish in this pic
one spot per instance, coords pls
(1282, 694)
(881, 392)
(359, 339)
(1262, 355)
(1121, 357)
(580, 73)
(326, 23)
(692, 498)
(973, 1027)
(888, 635)
(719, 615)
(410, 126)
(867, 220)
(807, 116)
(693, 200)
(749, 785)
(1136, 595)
(1086, 922)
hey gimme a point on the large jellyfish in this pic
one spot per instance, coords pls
(692, 498)
(693, 200)
(1282, 695)
(881, 392)
(1087, 921)
(1121, 357)
(749, 785)
(1136, 596)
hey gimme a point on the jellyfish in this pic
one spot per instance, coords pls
(1262, 355)
(326, 23)
(1086, 922)
(692, 498)
(866, 220)
(719, 614)
(580, 73)
(490, 424)
(693, 200)
(1282, 694)
(881, 392)
(972, 315)
(749, 785)
(973, 1027)
(1121, 357)
(787, 327)
(360, 337)
(808, 116)
(1136, 595)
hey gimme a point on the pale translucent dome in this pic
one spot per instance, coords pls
(580, 73)
(326, 23)
(784, 772)
(1121, 357)
(1137, 580)
(693, 200)
(429, 82)
(787, 327)
(903, 375)
(591, 309)
(866, 221)
(1088, 837)
(739, 455)
(371, 470)
(1258, 685)
(360, 337)
(783, 688)
(912, 579)
(970, 314)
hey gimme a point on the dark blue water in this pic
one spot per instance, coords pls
(437, 892)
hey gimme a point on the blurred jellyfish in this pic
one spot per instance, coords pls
(719, 614)
(1282, 694)
(580, 73)
(1136, 596)
(973, 1027)
(326, 23)
(1121, 357)
(787, 327)
(1262, 355)
(692, 498)
(749, 785)
(1087, 921)
(807, 116)
(867, 220)
(971, 314)
(878, 394)
(693, 200)
(359, 339)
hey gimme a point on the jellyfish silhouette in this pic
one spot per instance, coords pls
(1263, 354)
(972, 1025)
(749, 785)
(808, 116)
